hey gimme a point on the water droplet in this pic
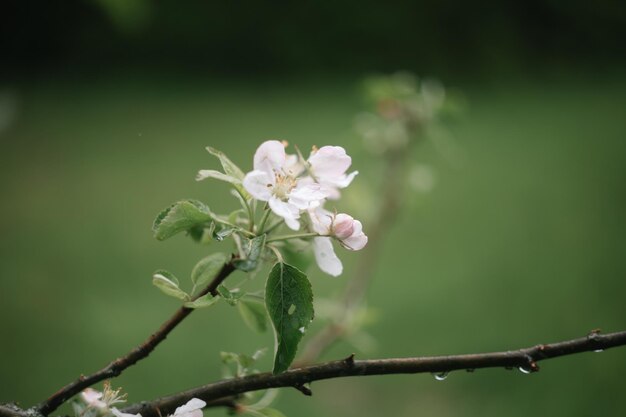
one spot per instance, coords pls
(599, 350)
(524, 370)
(440, 376)
(301, 330)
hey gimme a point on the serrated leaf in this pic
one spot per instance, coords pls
(168, 284)
(231, 297)
(287, 286)
(206, 300)
(180, 216)
(207, 268)
(253, 314)
(211, 173)
(254, 250)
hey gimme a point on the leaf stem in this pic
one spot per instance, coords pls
(294, 236)
(266, 215)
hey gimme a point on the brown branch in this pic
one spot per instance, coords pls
(116, 367)
(523, 358)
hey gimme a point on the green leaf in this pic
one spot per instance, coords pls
(229, 167)
(180, 216)
(231, 170)
(253, 314)
(271, 412)
(168, 284)
(253, 253)
(287, 286)
(300, 258)
(210, 173)
(207, 268)
(231, 297)
(206, 300)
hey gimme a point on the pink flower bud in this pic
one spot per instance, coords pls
(343, 226)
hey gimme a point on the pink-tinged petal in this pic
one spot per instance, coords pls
(192, 405)
(270, 157)
(343, 226)
(259, 184)
(358, 240)
(306, 196)
(325, 256)
(321, 220)
(329, 161)
(93, 398)
(287, 211)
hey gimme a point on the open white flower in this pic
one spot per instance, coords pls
(344, 228)
(93, 398)
(328, 166)
(193, 408)
(274, 179)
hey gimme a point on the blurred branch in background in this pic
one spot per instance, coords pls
(407, 111)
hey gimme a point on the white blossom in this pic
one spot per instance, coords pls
(193, 408)
(274, 179)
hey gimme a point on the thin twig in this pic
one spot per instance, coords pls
(116, 367)
(526, 359)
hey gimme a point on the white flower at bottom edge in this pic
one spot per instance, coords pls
(193, 408)
(93, 398)
(274, 180)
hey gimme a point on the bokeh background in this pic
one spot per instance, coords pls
(106, 107)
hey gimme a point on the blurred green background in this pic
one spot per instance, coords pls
(106, 107)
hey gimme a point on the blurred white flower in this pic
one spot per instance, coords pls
(274, 179)
(193, 408)
(93, 398)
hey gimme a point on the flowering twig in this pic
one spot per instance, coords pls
(525, 359)
(116, 367)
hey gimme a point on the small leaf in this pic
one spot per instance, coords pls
(253, 314)
(287, 286)
(168, 284)
(210, 173)
(206, 300)
(231, 297)
(207, 268)
(231, 170)
(229, 167)
(253, 253)
(180, 216)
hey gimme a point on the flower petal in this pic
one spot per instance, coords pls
(118, 413)
(321, 220)
(330, 161)
(259, 184)
(270, 157)
(325, 256)
(343, 226)
(193, 404)
(287, 211)
(306, 196)
(358, 240)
